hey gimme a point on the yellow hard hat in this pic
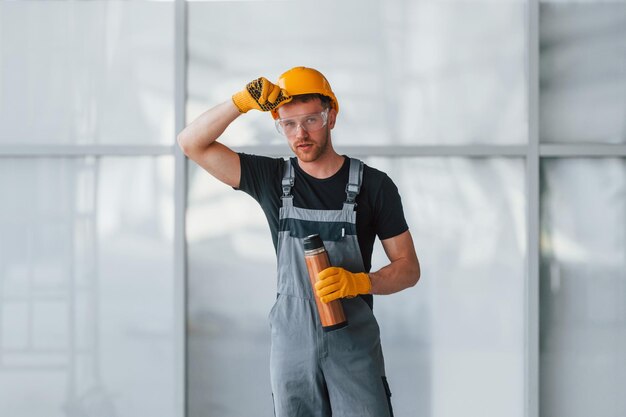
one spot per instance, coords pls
(303, 80)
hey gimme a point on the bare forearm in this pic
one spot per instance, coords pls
(397, 276)
(198, 142)
(199, 139)
(204, 130)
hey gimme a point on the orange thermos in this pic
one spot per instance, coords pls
(331, 314)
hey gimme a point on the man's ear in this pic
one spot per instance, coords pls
(332, 117)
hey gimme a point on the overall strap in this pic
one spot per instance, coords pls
(287, 183)
(354, 180)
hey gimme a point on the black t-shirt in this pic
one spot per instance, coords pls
(379, 207)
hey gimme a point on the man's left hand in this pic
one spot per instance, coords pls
(334, 283)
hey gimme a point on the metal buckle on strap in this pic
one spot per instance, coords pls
(287, 184)
(288, 179)
(355, 179)
(352, 190)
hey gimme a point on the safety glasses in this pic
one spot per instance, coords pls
(308, 122)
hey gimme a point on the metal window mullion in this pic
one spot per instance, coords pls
(71, 387)
(582, 150)
(180, 206)
(62, 151)
(468, 150)
(531, 368)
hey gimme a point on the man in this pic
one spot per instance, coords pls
(316, 373)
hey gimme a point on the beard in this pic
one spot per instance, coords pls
(313, 151)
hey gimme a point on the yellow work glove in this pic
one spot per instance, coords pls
(260, 94)
(334, 283)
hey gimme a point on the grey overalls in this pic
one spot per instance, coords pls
(316, 373)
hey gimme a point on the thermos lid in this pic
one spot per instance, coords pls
(313, 242)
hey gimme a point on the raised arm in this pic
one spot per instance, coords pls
(199, 142)
(199, 139)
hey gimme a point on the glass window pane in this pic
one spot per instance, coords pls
(86, 287)
(232, 286)
(582, 72)
(453, 344)
(404, 72)
(457, 82)
(94, 72)
(583, 288)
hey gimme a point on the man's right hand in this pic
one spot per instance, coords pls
(260, 94)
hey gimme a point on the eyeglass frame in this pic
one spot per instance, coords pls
(323, 113)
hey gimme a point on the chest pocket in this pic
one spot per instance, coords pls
(328, 231)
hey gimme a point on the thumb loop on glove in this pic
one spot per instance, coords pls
(273, 95)
(265, 86)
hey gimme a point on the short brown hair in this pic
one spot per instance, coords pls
(305, 98)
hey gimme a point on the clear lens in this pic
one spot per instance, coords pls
(308, 122)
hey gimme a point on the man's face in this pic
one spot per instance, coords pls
(308, 146)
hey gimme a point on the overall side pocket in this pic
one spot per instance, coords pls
(388, 393)
(270, 316)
